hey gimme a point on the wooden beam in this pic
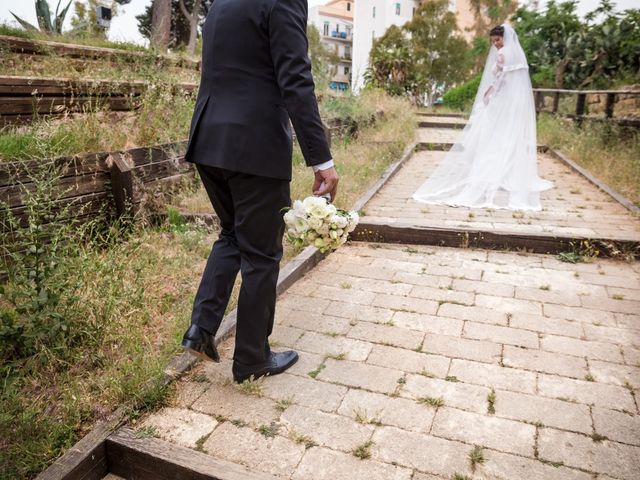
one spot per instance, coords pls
(154, 459)
(426, 124)
(121, 183)
(87, 459)
(461, 238)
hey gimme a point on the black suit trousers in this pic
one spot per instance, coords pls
(250, 241)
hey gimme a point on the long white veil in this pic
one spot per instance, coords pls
(493, 163)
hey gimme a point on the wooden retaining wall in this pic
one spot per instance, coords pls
(23, 97)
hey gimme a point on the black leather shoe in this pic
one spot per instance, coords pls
(201, 343)
(278, 363)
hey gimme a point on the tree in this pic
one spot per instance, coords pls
(323, 59)
(565, 52)
(193, 18)
(422, 58)
(43, 14)
(161, 24)
(489, 13)
(180, 32)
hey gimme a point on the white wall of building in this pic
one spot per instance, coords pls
(368, 26)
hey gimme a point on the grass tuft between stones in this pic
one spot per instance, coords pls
(363, 451)
(476, 456)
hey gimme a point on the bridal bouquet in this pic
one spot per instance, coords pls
(314, 221)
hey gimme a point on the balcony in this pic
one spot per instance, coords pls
(340, 36)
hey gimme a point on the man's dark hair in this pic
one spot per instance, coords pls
(497, 31)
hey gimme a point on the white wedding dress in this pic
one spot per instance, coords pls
(493, 163)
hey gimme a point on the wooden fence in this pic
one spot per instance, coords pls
(43, 47)
(581, 108)
(22, 98)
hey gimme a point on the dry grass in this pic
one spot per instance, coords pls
(608, 152)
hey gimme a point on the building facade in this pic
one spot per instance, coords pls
(373, 17)
(335, 23)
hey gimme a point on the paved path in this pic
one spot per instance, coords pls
(414, 355)
(431, 363)
(575, 207)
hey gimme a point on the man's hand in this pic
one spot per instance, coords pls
(330, 179)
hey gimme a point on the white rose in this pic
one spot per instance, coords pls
(299, 208)
(311, 235)
(315, 223)
(316, 207)
(289, 217)
(323, 230)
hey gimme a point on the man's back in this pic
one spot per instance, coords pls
(255, 70)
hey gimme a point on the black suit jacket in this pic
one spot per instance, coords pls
(255, 76)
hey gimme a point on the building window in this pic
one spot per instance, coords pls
(325, 31)
(338, 27)
(397, 9)
(348, 7)
(413, 13)
(374, 12)
(346, 70)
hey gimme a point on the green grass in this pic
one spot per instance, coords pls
(138, 291)
(162, 118)
(610, 153)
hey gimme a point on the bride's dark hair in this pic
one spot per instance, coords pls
(497, 31)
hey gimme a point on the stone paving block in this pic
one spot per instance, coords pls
(554, 326)
(355, 350)
(435, 281)
(426, 476)
(346, 295)
(475, 314)
(422, 452)
(409, 361)
(589, 393)
(560, 297)
(407, 304)
(285, 336)
(579, 451)
(619, 336)
(442, 295)
(497, 289)
(541, 361)
(617, 374)
(617, 426)
(316, 322)
(369, 377)
(631, 356)
(366, 271)
(581, 348)
(306, 363)
(329, 430)
(579, 314)
(452, 272)
(497, 433)
(387, 335)
(180, 425)
(398, 412)
(276, 455)
(455, 347)
(611, 305)
(454, 394)
(495, 333)
(303, 303)
(359, 312)
(493, 376)
(625, 293)
(305, 391)
(509, 305)
(428, 323)
(324, 464)
(549, 412)
(188, 391)
(230, 403)
(628, 321)
(504, 466)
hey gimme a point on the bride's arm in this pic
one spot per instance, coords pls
(498, 78)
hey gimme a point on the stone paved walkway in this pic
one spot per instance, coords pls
(426, 363)
(575, 207)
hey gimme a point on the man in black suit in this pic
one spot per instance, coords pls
(256, 75)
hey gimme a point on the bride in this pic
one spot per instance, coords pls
(493, 163)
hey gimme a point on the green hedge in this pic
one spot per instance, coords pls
(462, 97)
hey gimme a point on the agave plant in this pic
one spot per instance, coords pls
(46, 23)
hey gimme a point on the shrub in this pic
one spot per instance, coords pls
(462, 97)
